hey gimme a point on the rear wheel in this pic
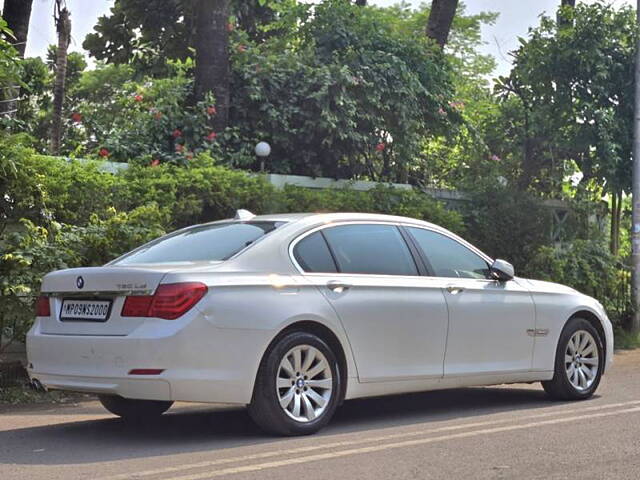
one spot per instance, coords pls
(579, 362)
(297, 386)
(131, 409)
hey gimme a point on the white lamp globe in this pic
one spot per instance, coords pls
(263, 149)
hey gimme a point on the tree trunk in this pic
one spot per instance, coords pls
(564, 22)
(440, 20)
(616, 216)
(212, 74)
(63, 26)
(17, 14)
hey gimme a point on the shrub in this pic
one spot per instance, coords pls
(589, 267)
(507, 224)
(31, 252)
(382, 199)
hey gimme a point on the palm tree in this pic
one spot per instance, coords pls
(63, 27)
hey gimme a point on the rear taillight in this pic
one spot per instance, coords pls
(42, 307)
(170, 301)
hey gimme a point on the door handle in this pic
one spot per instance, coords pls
(454, 289)
(337, 286)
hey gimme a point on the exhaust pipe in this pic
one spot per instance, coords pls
(37, 386)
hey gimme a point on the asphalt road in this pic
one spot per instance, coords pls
(474, 433)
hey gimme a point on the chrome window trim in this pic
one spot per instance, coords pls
(336, 223)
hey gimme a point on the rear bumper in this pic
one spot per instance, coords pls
(201, 362)
(144, 389)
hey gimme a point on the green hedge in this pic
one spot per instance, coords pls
(57, 214)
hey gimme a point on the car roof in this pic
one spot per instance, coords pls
(326, 217)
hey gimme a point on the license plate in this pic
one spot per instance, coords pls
(87, 310)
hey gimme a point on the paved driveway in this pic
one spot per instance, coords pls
(503, 432)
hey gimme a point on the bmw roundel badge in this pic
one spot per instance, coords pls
(79, 282)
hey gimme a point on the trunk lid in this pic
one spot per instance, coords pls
(98, 284)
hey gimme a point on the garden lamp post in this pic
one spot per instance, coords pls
(263, 149)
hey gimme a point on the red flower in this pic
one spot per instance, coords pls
(212, 136)
(211, 110)
(138, 98)
(76, 117)
(177, 133)
(155, 162)
(381, 146)
(179, 147)
(241, 48)
(230, 27)
(103, 152)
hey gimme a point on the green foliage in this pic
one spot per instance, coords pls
(590, 268)
(382, 199)
(507, 224)
(32, 251)
(21, 195)
(354, 99)
(200, 193)
(9, 66)
(573, 80)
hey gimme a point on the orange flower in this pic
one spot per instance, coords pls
(138, 98)
(76, 117)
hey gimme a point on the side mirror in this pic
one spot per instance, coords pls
(502, 270)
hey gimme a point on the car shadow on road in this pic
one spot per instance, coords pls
(208, 429)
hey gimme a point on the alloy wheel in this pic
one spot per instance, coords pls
(304, 383)
(581, 360)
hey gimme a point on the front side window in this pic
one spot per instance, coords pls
(449, 258)
(205, 243)
(370, 249)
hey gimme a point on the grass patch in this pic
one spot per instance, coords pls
(25, 395)
(625, 340)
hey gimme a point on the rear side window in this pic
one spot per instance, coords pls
(313, 255)
(449, 258)
(370, 249)
(203, 243)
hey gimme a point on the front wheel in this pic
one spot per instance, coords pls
(579, 362)
(297, 387)
(130, 409)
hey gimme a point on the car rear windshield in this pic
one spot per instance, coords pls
(204, 243)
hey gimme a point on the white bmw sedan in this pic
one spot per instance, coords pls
(293, 314)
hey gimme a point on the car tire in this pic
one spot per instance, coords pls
(303, 400)
(579, 362)
(130, 409)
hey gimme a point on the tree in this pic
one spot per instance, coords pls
(17, 14)
(440, 20)
(361, 3)
(212, 73)
(572, 82)
(63, 27)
